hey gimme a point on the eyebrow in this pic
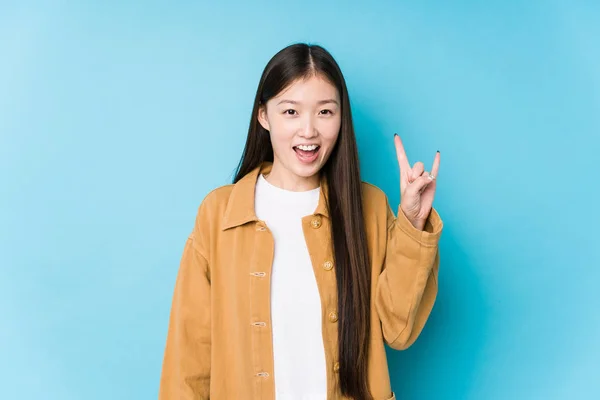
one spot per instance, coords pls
(319, 102)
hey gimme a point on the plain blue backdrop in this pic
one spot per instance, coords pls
(116, 118)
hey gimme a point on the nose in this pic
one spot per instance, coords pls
(309, 130)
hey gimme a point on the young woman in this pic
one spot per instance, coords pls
(295, 275)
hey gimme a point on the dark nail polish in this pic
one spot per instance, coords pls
(395, 134)
(438, 151)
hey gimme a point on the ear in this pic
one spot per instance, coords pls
(262, 117)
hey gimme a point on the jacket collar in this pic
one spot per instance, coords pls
(240, 207)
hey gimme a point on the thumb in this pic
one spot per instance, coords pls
(420, 183)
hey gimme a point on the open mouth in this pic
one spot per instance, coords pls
(308, 154)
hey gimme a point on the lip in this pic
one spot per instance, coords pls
(307, 160)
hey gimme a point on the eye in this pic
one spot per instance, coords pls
(286, 111)
(329, 111)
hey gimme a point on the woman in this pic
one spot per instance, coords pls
(295, 275)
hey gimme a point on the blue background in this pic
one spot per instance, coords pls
(116, 119)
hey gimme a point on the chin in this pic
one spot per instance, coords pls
(306, 171)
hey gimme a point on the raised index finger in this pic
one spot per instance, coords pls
(401, 154)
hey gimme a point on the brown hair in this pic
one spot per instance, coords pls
(344, 199)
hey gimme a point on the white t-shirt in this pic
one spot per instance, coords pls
(299, 355)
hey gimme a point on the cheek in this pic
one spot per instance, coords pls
(281, 127)
(281, 137)
(331, 131)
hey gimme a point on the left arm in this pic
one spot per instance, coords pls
(407, 285)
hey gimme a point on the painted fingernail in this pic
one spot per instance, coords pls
(395, 134)
(438, 151)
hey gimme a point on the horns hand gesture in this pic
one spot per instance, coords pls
(417, 186)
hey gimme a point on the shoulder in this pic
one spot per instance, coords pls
(373, 196)
(217, 196)
(214, 204)
(376, 206)
(208, 218)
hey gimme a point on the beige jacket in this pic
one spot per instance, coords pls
(219, 341)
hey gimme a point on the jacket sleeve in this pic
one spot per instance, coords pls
(186, 362)
(407, 285)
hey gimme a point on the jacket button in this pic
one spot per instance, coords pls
(315, 223)
(327, 265)
(333, 316)
(336, 366)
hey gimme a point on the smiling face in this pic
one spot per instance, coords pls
(304, 123)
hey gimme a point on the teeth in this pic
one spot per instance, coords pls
(307, 148)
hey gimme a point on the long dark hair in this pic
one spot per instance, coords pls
(344, 200)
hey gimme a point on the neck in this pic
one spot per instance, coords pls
(286, 179)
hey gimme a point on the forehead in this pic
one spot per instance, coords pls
(311, 89)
